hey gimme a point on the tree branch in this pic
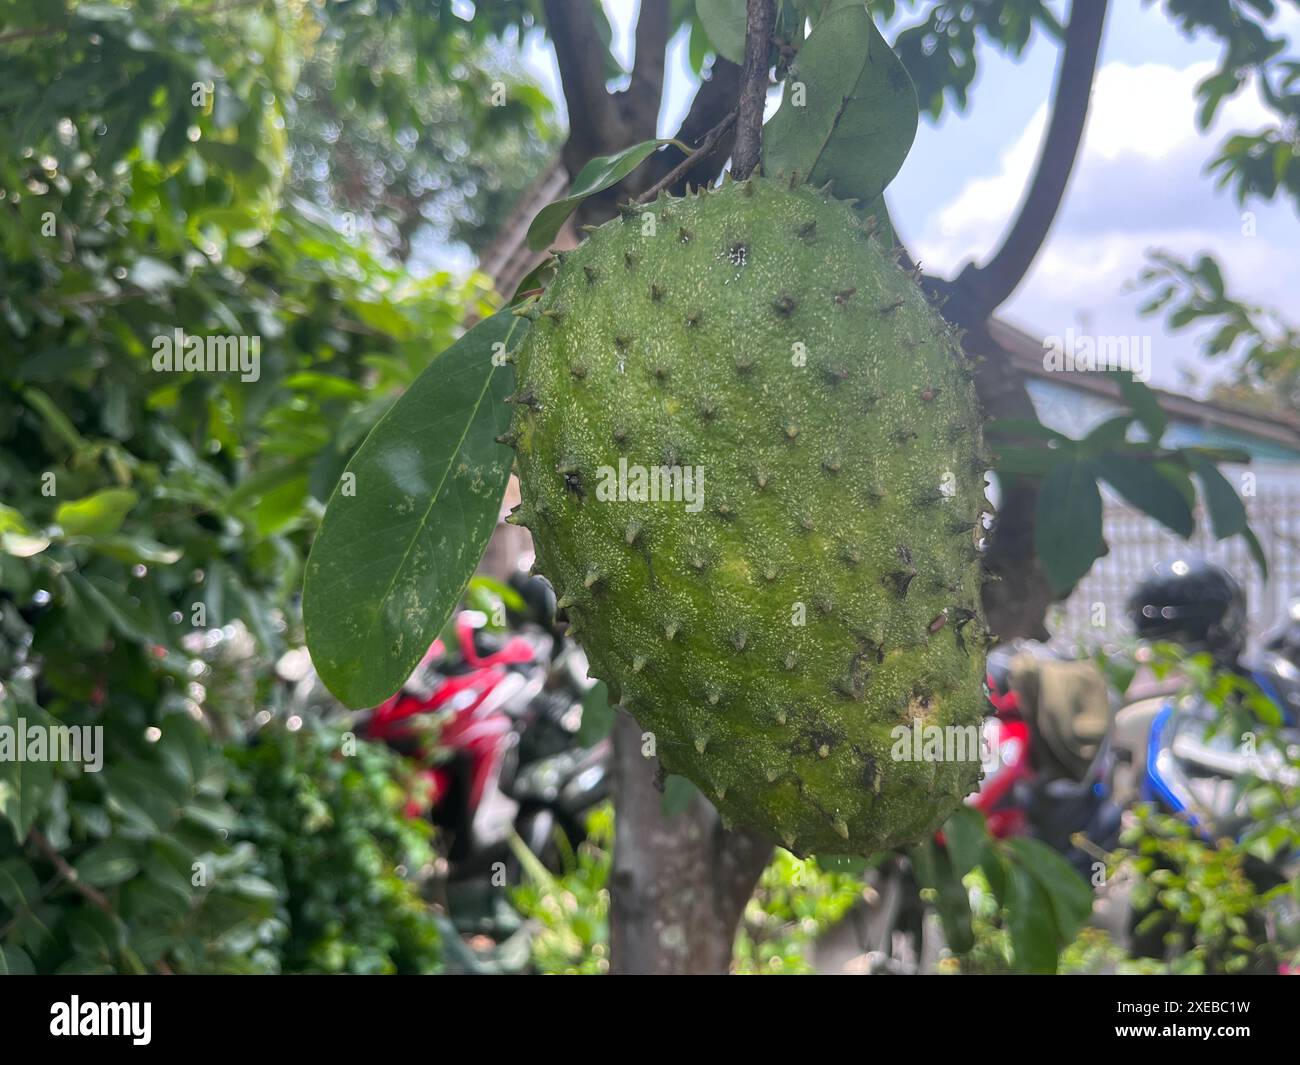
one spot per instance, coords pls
(91, 894)
(646, 88)
(714, 99)
(579, 52)
(706, 149)
(984, 289)
(760, 16)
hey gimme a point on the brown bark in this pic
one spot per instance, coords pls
(680, 883)
(753, 87)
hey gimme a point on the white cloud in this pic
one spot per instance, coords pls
(1139, 184)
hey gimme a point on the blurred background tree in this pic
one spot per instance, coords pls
(172, 165)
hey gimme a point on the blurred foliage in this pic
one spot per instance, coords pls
(323, 811)
(1197, 900)
(795, 902)
(570, 910)
(410, 152)
(1216, 903)
(1263, 347)
(149, 518)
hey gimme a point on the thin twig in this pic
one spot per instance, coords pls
(706, 147)
(91, 894)
(760, 16)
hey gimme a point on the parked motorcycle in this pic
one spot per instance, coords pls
(1173, 751)
(494, 716)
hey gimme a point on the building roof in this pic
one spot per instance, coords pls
(1026, 353)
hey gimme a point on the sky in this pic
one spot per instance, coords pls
(1138, 184)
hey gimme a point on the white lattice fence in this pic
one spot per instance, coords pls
(1137, 543)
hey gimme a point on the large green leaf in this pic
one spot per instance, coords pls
(859, 110)
(1146, 487)
(391, 559)
(724, 22)
(1067, 526)
(1069, 895)
(596, 176)
(1030, 920)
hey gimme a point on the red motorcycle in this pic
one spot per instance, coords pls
(494, 718)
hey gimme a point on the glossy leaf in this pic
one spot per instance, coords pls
(391, 560)
(601, 173)
(858, 115)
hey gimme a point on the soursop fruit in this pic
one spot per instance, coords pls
(749, 453)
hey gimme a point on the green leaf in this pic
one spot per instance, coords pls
(100, 514)
(1030, 920)
(1029, 461)
(1227, 511)
(14, 961)
(1067, 528)
(1070, 897)
(111, 603)
(1110, 433)
(17, 538)
(597, 717)
(57, 421)
(392, 559)
(724, 22)
(965, 836)
(1146, 487)
(538, 277)
(596, 176)
(1144, 403)
(1017, 427)
(859, 111)
(25, 786)
(108, 863)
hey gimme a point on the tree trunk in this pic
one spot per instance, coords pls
(680, 883)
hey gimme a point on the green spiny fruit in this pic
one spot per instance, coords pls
(812, 583)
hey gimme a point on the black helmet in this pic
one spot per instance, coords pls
(1196, 604)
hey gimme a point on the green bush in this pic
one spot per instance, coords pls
(324, 811)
